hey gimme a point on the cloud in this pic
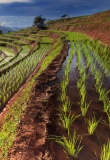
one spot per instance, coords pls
(2, 23)
(12, 1)
(16, 21)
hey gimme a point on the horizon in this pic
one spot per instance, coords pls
(21, 13)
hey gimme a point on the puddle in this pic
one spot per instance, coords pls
(91, 143)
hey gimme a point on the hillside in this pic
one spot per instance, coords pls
(96, 26)
(5, 29)
(55, 91)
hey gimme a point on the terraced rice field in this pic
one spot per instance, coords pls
(54, 96)
(82, 103)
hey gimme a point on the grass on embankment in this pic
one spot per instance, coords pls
(12, 118)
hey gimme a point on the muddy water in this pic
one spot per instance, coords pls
(91, 143)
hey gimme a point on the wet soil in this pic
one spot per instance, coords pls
(30, 142)
(40, 119)
(91, 143)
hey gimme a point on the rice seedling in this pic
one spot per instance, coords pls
(65, 103)
(98, 77)
(84, 106)
(83, 92)
(108, 115)
(12, 118)
(103, 94)
(106, 104)
(92, 124)
(64, 84)
(66, 120)
(105, 151)
(81, 82)
(56, 49)
(104, 60)
(70, 144)
(17, 75)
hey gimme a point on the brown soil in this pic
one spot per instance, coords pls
(13, 99)
(90, 143)
(95, 33)
(97, 26)
(30, 142)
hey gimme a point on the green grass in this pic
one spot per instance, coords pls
(55, 50)
(10, 61)
(20, 42)
(45, 40)
(11, 120)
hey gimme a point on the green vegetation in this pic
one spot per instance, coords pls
(7, 44)
(82, 46)
(30, 47)
(55, 50)
(16, 76)
(12, 118)
(69, 144)
(105, 151)
(39, 19)
(15, 59)
(81, 83)
(45, 40)
(7, 51)
(92, 124)
(66, 120)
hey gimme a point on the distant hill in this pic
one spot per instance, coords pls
(96, 25)
(7, 29)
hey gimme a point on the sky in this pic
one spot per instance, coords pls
(21, 13)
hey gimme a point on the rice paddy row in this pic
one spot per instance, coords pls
(90, 56)
(71, 142)
(12, 118)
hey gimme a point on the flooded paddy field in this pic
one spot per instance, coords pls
(80, 106)
(66, 102)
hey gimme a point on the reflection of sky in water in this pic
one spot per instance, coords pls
(73, 71)
(73, 75)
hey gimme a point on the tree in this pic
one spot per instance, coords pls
(38, 20)
(0, 31)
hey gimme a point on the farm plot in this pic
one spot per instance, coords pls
(12, 118)
(80, 108)
(17, 75)
(12, 70)
(12, 61)
(82, 120)
(2, 55)
(8, 55)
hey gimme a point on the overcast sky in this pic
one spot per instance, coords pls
(20, 13)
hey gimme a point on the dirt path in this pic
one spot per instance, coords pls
(13, 99)
(30, 142)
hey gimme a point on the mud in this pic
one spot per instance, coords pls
(40, 120)
(30, 142)
(91, 143)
